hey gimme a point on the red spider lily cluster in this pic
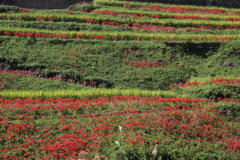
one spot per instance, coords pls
(37, 35)
(44, 19)
(91, 21)
(212, 81)
(112, 24)
(190, 17)
(85, 126)
(119, 14)
(22, 72)
(70, 12)
(78, 36)
(142, 15)
(233, 19)
(186, 10)
(144, 65)
(100, 37)
(107, 13)
(183, 85)
(61, 36)
(105, 37)
(155, 28)
(225, 81)
(127, 6)
(25, 10)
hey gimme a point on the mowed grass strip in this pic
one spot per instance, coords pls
(95, 93)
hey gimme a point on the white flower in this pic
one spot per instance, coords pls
(117, 143)
(120, 128)
(154, 152)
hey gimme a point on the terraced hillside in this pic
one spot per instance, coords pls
(134, 45)
(120, 80)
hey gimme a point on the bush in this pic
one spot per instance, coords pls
(212, 91)
(9, 9)
(83, 7)
(71, 74)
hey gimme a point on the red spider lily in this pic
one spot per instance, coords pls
(40, 18)
(198, 84)
(85, 2)
(19, 19)
(155, 16)
(143, 65)
(44, 19)
(225, 81)
(91, 21)
(7, 33)
(25, 10)
(186, 10)
(62, 36)
(127, 6)
(190, 17)
(112, 23)
(80, 36)
(107, 13)
(135, 25)
(50, 18)
(100, 37)
(233, 19)
(70, 12)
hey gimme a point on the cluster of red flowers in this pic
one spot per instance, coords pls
(100, 37)
(127, 6)
(83, 126)
(225, 81)
(144, 65)
(22, 72)
(105, 37)
(190, 17)
(183, 85)
(186, 10)
(44, 19)
(39, 35)
(112, 24)
(78, 36)
(213, 81)
(233, 19)
(91, 21)
(25, 10)
(70, 12)
(142, 15)
(107, 13)
(62, 36)
(153, 27)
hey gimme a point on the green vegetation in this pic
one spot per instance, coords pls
(111, 80)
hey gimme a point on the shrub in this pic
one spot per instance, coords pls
(9, 9)
(83, 7)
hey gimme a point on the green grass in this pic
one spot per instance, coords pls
(93, 93)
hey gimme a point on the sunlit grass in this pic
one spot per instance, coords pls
(95, 93)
